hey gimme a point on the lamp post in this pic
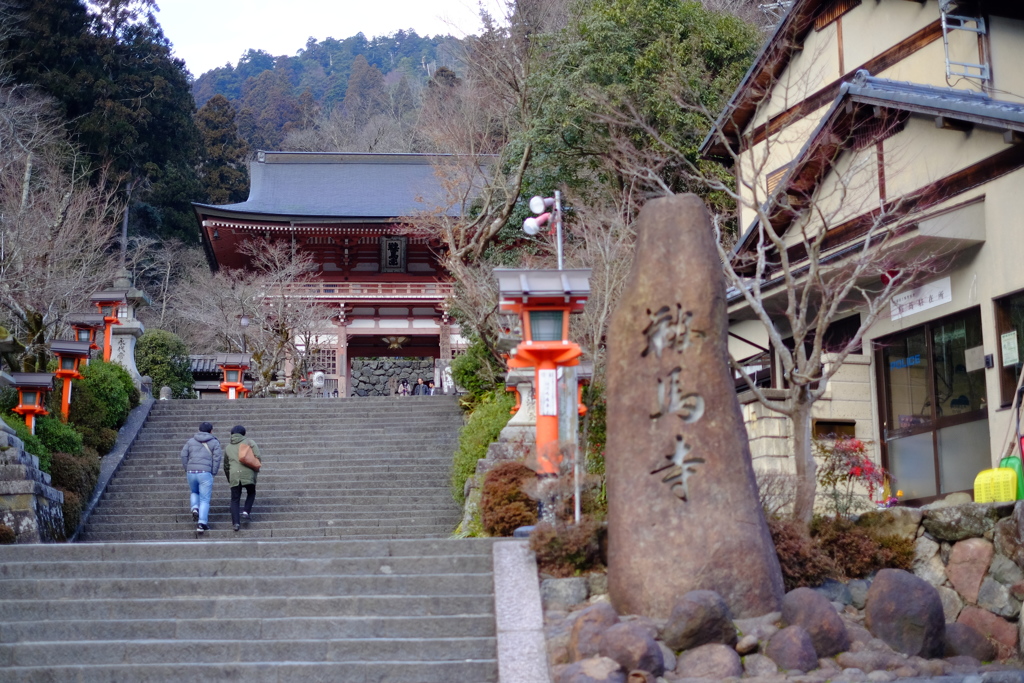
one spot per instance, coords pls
(70, 355)
(109, 302)
(32, 389)
(243, 320)
(548, 210)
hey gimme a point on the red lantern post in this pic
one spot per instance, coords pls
(32, 389)
(234, 366)
(70, 355)
(109, 302)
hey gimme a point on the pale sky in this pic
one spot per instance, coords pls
(210, 33)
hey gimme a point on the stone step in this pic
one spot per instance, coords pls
(395, 494)
(224, 532)
(94, 653)
(338, 566)
(306, 525)
(266, 672)
(289, 628)
(280, 482)
(129, 589)
(153, 551)
(252, 607)
(278, 514)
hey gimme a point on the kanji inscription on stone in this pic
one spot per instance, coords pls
(678, 468)
(673, 400)
(668, 329)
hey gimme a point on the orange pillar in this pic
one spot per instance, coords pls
(549, 458)
(65, 401)
(106, 341)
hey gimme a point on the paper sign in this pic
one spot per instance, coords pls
(547, 402)
(921, 298)
(1008, 341)
(974, 359)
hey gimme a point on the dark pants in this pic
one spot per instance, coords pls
(236, 498)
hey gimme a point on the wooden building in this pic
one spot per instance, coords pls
(347, 210)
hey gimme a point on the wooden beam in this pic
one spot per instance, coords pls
(946, 123)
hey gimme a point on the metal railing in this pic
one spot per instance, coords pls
(428, 291)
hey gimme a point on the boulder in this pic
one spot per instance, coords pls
(952, 603)
(592, 670)
(563, 593)
(996, 598)
(759, 665)
(897, 521)
(868, 660)
(905, 612)
(633, 647)
(858, 592)
(813, 611)
(962, 639)
(792, 648)
(1006, 541)
(667, 656)
(959, 498)
(1004, 570)
(958, 522)
(714, 660)
(587, 629)
(698, 618)
(969, 561)
(991, 626)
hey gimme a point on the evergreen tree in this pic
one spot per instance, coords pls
(366, 94)
(223, 173)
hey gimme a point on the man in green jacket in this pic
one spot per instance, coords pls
(239, 476)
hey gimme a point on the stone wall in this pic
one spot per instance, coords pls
(28, 504)
(370, 377)
(974, 556)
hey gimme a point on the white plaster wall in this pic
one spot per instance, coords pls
(1006, 56)
(873, 27)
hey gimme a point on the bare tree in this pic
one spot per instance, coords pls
(283, 323)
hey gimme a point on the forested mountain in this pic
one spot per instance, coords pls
(276, 95)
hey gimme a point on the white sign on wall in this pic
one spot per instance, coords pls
(1008, 340)
(921, 298)
(547, 399)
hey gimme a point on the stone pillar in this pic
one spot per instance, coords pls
(523, 425)
(683, 508)
(124, 336)
(344, 367)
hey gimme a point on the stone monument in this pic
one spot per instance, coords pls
(124, 336)
(683, 508)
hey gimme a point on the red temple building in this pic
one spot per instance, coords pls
(347, 210)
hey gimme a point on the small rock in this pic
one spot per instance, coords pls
(996, 598)
(633, 647)
(714, 660)
(597, 584)
(587, 629)
(951, 603)
(759, 665)
(927, 563)
(881, 677)
(762, 628)
(592, 670)
(1005, 571)
(858, 592)
(563, 593)
(906, 612)
(968, 563)
(962, 664)
(811, 610)
(949, 501)
(639, 676)
(962, 639)
(835, 591)
(929, 667)
(858, 634)
(870, 660)
(792, 648)
(945, 548)
(828, 664)
(668, 657)
(746, 645)
(698, 618)
(906, 671)
(897, 521)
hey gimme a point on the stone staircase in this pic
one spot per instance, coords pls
(353, 468)
(344, 574)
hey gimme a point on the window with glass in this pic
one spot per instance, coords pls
(1010, 328)
(935, 417)
(546, 325)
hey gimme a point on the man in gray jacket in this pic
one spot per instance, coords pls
(201, 457)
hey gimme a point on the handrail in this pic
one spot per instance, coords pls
(370, 290)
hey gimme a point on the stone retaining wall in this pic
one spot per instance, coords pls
(28, 504)
(370, 377)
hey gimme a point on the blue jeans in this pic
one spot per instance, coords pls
(201, 486)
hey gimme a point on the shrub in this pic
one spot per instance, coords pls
(7, 535)
(844, 469)
(74, 473)
(504, 506)
(57, 436)
(102, 397)
(163, 356)
(803, 563)
(32, 443)
(99, 439)
(477, 370)
(8, 399)
(856, 552)
(482, 428)
(72, 511)
(564, 549)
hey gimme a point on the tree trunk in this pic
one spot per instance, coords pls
(806, 469)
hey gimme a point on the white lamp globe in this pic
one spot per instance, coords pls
(531, 226)
(538, 204)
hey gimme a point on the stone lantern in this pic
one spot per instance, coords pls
(70, 355)
(32, 389)
(544, 299)
(234, 366)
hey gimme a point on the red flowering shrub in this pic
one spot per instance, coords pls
(845, 469)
